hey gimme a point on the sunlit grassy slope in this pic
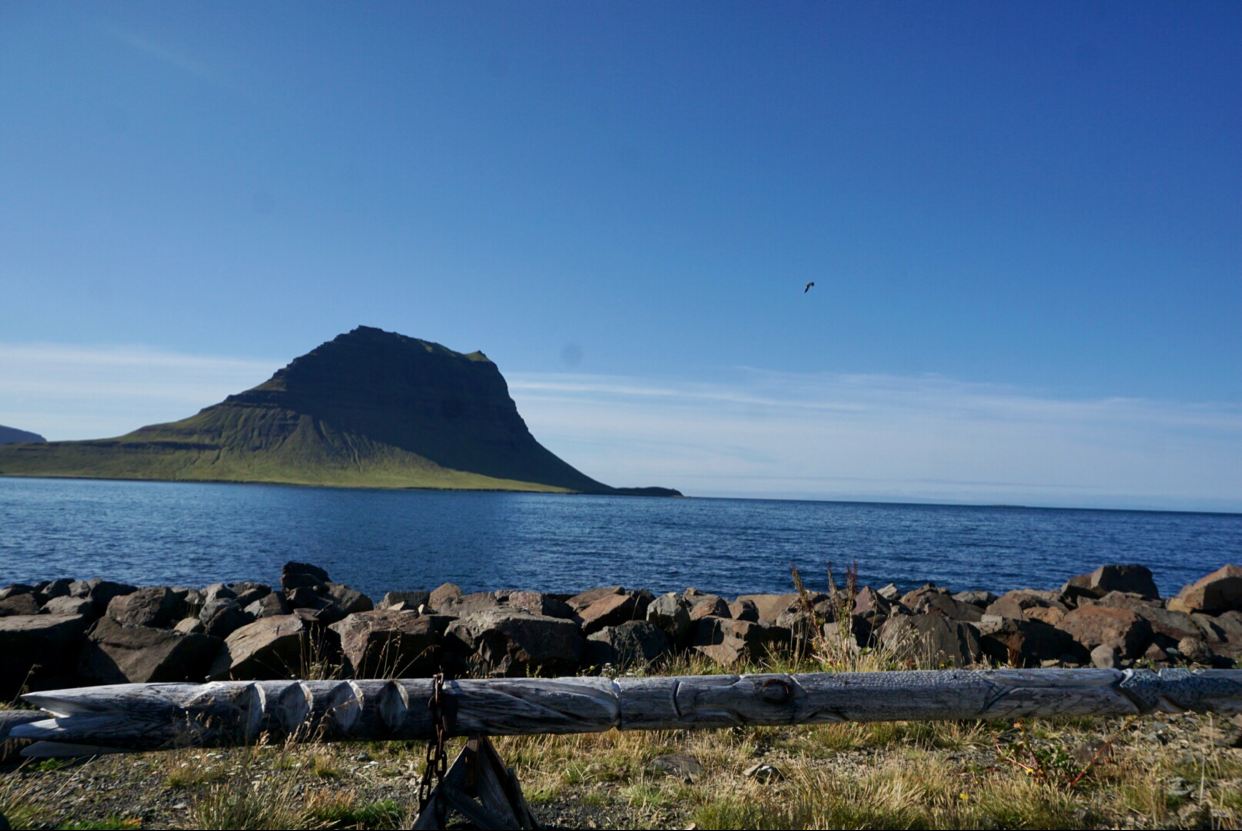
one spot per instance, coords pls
(368, 409)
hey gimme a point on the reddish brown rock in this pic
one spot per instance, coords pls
(708, 605)
(116, 654)
(935, 600)
(1026, 604)
(584, 599)
(538, 603)
(613, 610)
(1169, 627)
(443, 595)
(1220, 591)
(727, 641)
(637, 643)
(744, 610)
(392, 644)
(1026, 643)
(1122, 629)
(1128, 578)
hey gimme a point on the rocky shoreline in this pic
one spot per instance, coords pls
(64, 633)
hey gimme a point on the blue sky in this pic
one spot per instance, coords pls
(1024, 224)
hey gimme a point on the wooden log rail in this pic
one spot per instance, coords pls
(133, 717)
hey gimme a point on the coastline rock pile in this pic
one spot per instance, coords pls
(64, 633)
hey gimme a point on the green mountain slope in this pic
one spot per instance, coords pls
(367, 409)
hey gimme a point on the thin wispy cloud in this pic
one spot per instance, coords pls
(74, 392)
(165, 53)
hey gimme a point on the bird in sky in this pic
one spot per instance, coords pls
(808, 287)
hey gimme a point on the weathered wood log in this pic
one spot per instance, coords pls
(153, 716)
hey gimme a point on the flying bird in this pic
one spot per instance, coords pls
(808, 287)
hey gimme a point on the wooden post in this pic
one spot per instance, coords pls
(154, 716)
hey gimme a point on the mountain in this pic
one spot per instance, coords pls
(367, 409)
(11, 435)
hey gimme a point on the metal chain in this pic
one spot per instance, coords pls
(437, 759)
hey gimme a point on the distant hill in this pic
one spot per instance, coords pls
(11, 435)
(366, 409)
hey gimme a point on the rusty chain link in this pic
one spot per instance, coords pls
(437, 759)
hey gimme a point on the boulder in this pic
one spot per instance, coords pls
(745, 610)
(1128, 578)
(269, 605)
(769, 607)
(708, 605)
(405, 601)
(858, 634)
(1105, 657)
(117, 654)
(38, 651)
(350, 600)
(538, 603)
(1194, 650)
(871, 604)
(100, 592)
(671, 613)
(727, 641)
(935, 600)
(890, 592)
(612, 610)
(468, 604)
(580, 601)
(1220, 591)
(1026, 643)
(221, 617)
(393, 644)
(25, 603)
(1094, 625)
(66, 605)
(218, 591)
(15, 590)
(931, 640)
(509, 643)
(313, 607)
(283, 646)
(157, 607)
(1222, 628)
(1026, 604)
(982, 599)
(301, 575)
(246, 592)
(189, 626)
(634, 643)
(442, 596)
(1169, 627)
(54, 588)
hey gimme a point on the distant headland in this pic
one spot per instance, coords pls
(368, 408)
(11, 435)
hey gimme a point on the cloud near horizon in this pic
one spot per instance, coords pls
(752, 433)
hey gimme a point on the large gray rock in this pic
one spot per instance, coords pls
(1131, 579)
(222, 617)
(100, 592)
(314, 607)
(66, 605)
(443, 596)
(284, 646)
(671, 614)
(156, 607)
(635, 643)
(350, 600)
(38, 651)
(1220, 591)
(1122, 629)
(269, 605)
(116, 654)
(25, 603)
(931, 640)
(508, 643)
(580, 601)
(393, 644)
